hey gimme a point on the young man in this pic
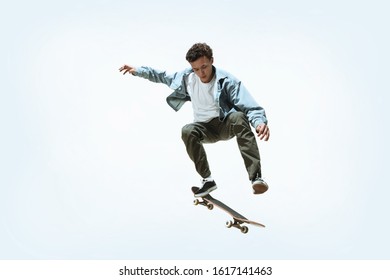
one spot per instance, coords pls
(223, 109)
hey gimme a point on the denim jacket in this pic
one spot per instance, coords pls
(232, 96)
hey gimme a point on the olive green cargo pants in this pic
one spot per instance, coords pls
(236, 125)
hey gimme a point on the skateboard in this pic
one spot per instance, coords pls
(238, 219)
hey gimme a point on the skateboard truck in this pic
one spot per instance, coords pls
(237, 224)
(204, 203)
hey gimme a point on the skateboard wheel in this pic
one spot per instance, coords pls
(229, 224)
(244, 229)
(196, 201)
(210, 206)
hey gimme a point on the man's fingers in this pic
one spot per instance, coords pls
(263, 132)
(260, 130)
(126, 68)
(265, 136)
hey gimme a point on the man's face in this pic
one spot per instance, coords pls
(203, 68)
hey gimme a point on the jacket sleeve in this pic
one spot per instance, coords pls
(156, 76)
(243, 101)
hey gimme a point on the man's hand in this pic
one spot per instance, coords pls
(263, 132)
(127, 69)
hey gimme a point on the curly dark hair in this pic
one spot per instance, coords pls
(198, 50)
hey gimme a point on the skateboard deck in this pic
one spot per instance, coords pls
(238, 219)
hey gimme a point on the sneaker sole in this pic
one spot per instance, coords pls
(206, 192)
(259, 188)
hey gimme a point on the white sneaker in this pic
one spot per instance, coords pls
(259, 186)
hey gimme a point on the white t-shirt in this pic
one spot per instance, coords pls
(203, 98)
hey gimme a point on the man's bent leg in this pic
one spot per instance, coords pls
(192, 135)
(238, 125)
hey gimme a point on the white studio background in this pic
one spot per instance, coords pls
(92, 162)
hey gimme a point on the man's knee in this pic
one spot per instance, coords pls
(187, 131)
